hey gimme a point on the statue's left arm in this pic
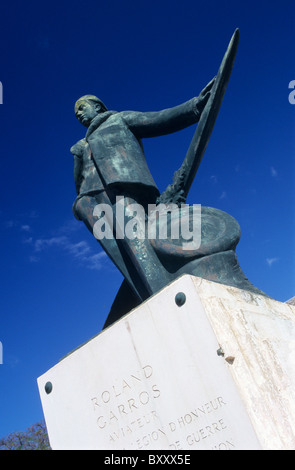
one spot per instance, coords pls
(153, 124)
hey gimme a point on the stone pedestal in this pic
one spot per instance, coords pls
(198, 366)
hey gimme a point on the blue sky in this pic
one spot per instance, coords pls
(56, 284)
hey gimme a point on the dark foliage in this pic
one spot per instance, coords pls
(34, 438)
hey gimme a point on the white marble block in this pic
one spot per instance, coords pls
(211, 369)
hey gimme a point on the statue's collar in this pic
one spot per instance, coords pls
(97, 121)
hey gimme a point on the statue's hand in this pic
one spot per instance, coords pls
(204, 96)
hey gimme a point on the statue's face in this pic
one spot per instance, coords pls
(86, 112)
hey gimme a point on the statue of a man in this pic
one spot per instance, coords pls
(110, 162)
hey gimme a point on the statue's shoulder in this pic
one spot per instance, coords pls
(77, 149)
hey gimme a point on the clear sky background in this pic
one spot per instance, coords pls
(57, 285)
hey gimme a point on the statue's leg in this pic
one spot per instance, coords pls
(143, 264)
(134, 257)
(83, 210)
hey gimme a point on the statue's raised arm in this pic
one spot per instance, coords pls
(167, 121)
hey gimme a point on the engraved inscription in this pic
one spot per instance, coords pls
(123, 398)
(190, 422)
(128, 415)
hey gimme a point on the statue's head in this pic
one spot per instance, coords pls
(87, 107)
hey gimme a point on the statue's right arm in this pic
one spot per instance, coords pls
(77, 150)
(77, 172)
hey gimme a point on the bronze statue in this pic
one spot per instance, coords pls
(109, 164)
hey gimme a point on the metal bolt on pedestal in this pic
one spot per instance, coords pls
(48, 387)
(180, 299)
